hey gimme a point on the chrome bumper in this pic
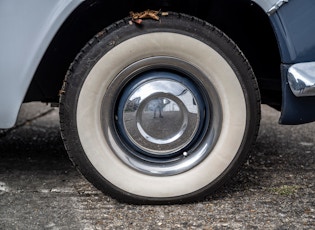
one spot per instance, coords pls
(301, 78)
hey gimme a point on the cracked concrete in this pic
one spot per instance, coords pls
(29, 112)
(40, 189)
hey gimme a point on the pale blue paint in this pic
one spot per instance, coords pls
(27, 27)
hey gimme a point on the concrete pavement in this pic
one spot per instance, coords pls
(40, 189)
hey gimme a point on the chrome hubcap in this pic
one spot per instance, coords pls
(161, 115)
(166, 120)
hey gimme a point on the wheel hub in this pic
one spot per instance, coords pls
(160, 116)
(165, 120)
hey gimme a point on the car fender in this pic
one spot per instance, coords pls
(293, 26)
(24, 42)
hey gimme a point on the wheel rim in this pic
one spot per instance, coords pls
(162, 114)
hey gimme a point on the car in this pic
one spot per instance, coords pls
(159, 101)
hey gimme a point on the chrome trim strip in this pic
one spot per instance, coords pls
(301, 78)
(270, 6)
(276, 6)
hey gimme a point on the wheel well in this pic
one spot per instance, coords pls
(241, 20)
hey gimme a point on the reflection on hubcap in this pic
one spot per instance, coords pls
(167, 116)
(160, 116)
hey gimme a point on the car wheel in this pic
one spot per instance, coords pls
(161, 112)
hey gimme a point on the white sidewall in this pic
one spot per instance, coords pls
(206, 59)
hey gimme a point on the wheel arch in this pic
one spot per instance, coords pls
(85, 21)
(245, 22)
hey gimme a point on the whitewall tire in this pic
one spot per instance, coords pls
(161, 112)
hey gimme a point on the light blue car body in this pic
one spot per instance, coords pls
(27, 29)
